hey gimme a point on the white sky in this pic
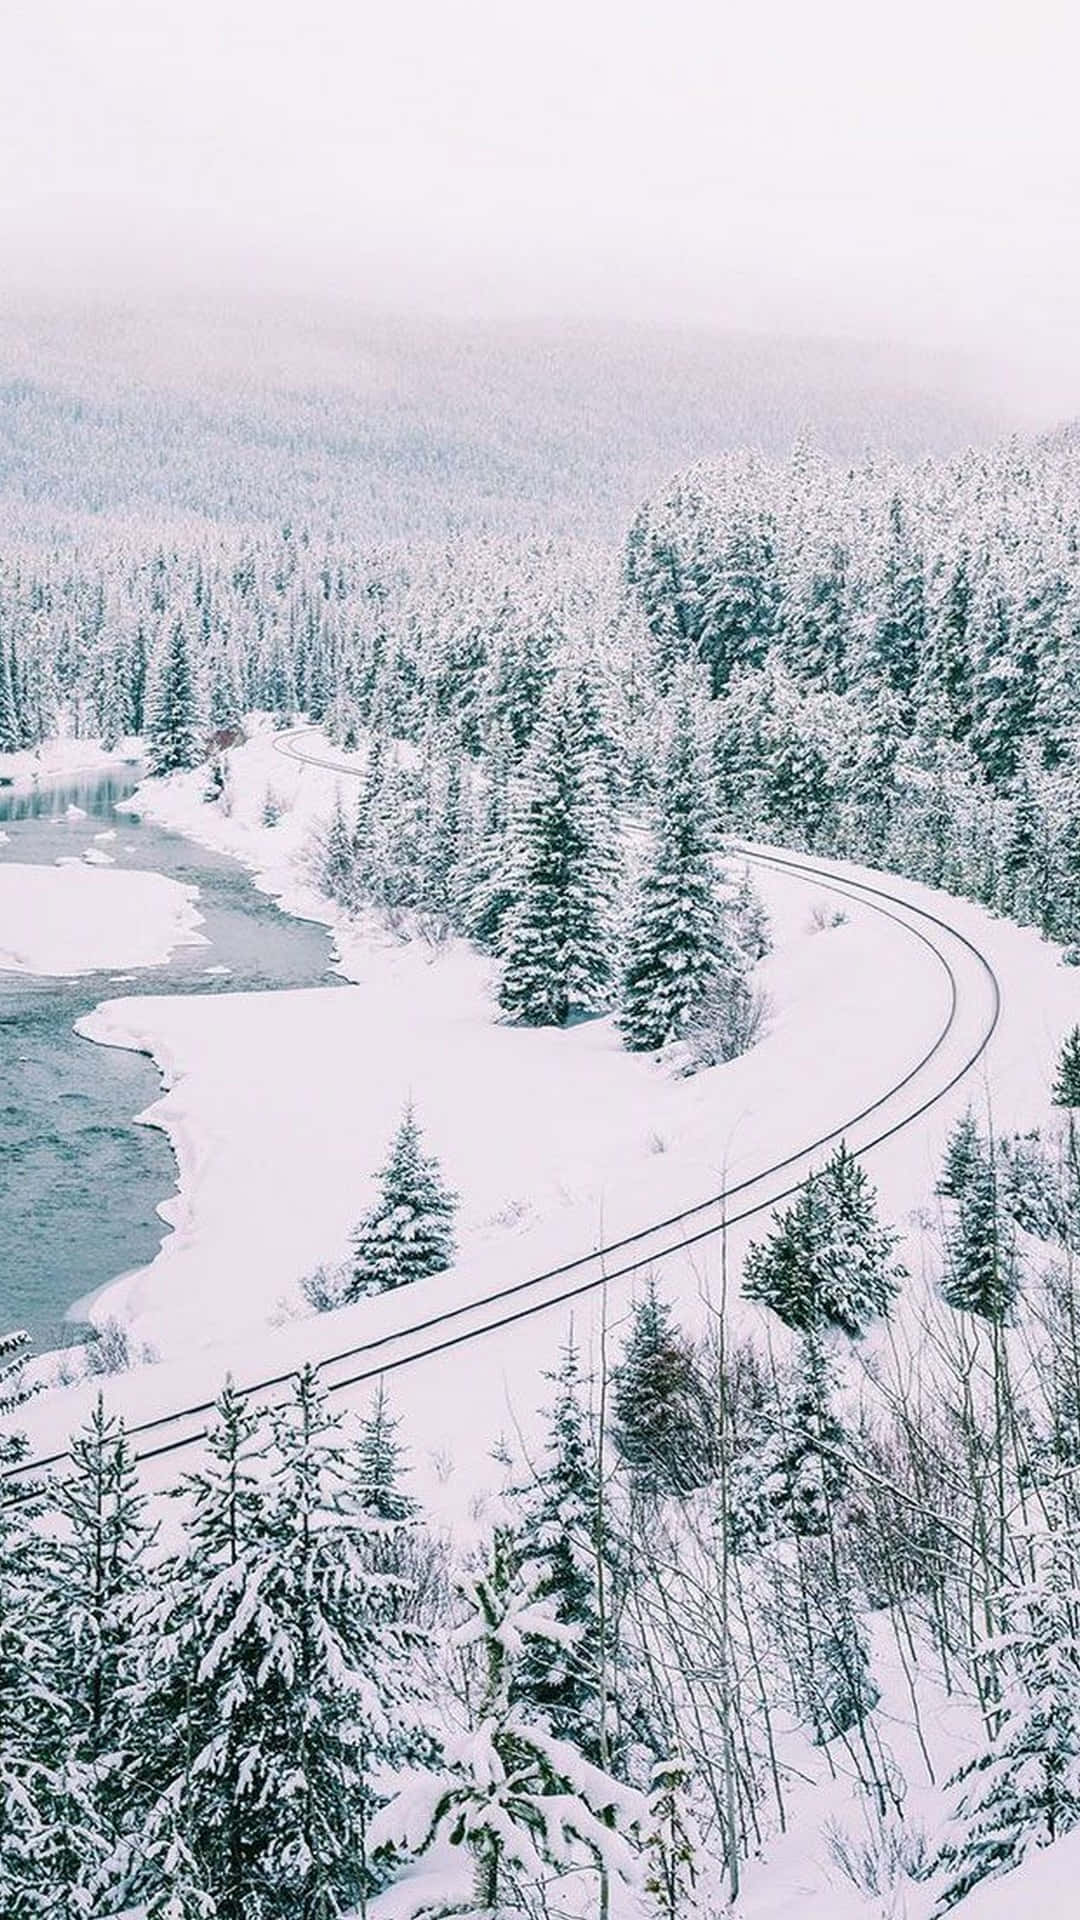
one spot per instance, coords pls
(896, 168)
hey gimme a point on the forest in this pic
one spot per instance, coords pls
(280, 1692)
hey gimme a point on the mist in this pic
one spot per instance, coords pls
(797, 171)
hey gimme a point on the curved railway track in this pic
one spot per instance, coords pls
(672, 1237)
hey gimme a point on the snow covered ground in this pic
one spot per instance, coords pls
(55, 758)
(280, 1107)
(82, 916)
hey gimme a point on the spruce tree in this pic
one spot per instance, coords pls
(560, 1549)
(828, 1262)
(555, 939)
(681, 952)
(379, 1466)
(1022, 1790)
(409, 1231)
(38, 1813)
(174, 738)
(95, 1604)
(203, 1710)
(1066, 1090)
(10, 732)
(524, 1806)
(982, 1272)
(661, 1419)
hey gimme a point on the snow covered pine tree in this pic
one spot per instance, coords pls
(409, 1232)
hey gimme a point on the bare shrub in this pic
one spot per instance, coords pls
(110, 1349)
(822, 916)
(326, 1287)
(733, 1019)
(879, 1862)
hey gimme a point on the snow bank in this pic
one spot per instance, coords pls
(56, 758)
(78, 918)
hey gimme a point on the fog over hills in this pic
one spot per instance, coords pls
(398, 430)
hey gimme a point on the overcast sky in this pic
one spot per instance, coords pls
(893, 168)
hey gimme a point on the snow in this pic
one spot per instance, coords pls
(65, 757)
(76, 918)
(1045, 1887)
(97, 857)
(280, 1107)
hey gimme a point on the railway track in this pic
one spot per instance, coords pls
(930, 1080)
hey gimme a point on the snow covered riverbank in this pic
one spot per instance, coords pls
(80, 918)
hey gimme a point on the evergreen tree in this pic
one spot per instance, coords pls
(10, 731)
(560, 1549)
(982, 1261)
(1022, 1790)
(379, 1466)
(409, 1231)
(524, 1805)
(680, 949)
(173, 733)
(829, 1261)
(555, 938)
(36, 1809)
(1066, 1091)
(285, 1675)
(95, 1605)
(793, 1477)
(661, 1424)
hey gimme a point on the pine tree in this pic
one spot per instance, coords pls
(1022, 1790)
(173, 734)
(409, 1231)
(793, 1476)
(36, 1810)
(681, 953)
(963, 1153)
(379, 1465)
(523, 1805)
(560, 1549)
(284, 1677)
(982, 1273)
(661, 1424)
(10, 732)
(829, 1261)
(1066, 1091)
(95, 1605)
(202, 1712)
(555, 939)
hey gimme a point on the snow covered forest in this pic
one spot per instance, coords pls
(749, 1588)
(888, 656)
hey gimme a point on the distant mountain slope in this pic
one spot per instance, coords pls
(404, 431)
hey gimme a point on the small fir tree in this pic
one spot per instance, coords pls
(555, 938)
(1066, 1091)
(829, 1261)
(560, 1554)
(409, 1231)
(1022, 1791)
(173, 731)
(523, 1805)
(681, 952)
(661, 1420)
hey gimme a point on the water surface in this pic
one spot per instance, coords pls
(79, 1182)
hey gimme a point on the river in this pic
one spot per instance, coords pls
(79, 1182)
